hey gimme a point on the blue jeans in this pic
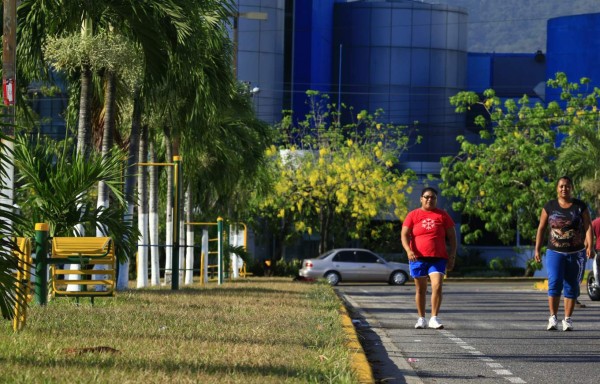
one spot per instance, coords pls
(565, 271)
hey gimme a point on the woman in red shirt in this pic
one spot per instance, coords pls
(425, 233)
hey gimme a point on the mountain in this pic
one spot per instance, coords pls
(515, 26)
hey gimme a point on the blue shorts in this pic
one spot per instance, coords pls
(424, 267)
(565, 271)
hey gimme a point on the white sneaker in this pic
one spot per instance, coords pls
(421, 323)
(567, 324)
(435, 323)
(552, 323)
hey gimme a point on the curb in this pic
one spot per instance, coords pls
(358, 358)
(494, 279)
(541, 285)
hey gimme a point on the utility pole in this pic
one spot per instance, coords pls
(9, 47)
(9, 87)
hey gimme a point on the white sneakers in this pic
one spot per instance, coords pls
(552, 323)
(433, 323)
(567, 324)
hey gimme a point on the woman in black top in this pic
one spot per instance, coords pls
(569, 242)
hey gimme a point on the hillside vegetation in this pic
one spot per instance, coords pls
(511, 26)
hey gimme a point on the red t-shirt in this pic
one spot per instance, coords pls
(428, 232)
(596, 230)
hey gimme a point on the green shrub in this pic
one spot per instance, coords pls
(287, 267)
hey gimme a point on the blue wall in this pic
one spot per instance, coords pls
(407, 58)
(313, 31)
(573, 48)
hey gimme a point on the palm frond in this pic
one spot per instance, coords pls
(57, 187)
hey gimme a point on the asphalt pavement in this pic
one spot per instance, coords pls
(494, 333)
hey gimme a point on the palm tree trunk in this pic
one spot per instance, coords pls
(142, 254)
(189, 254)
(181, 253)
(84, 131)
(153, 219)
(130, 180)
(169, 207)
(84, 135)
(181, 219)
(107, 143)
(108, 129)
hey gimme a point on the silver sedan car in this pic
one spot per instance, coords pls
(354, 264)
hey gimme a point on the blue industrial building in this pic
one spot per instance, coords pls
(573, 47)
(408, 58)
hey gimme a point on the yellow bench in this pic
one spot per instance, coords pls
(24, 285)
(86, 252)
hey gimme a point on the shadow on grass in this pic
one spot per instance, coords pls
(228, 288)
(178, 370)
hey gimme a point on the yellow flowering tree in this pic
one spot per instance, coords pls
(332, 179)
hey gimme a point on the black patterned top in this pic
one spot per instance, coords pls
(566, 226)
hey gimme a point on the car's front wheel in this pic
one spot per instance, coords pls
(398, 278)
(333, 278)
(592, 287)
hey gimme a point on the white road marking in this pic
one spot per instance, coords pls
(408, 371)
(503, 372)
(496, 367)
(517, 380)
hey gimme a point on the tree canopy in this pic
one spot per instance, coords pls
(332, 179)
(506, 176)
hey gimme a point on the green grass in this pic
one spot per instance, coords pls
(258, 330)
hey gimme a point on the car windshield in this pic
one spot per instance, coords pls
(324, 255)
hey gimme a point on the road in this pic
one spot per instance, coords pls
(495, 332)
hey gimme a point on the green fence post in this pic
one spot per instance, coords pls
(220, 248)
(41, 263)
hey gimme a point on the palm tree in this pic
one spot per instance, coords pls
(154, 26)
(8, 261)
(142, 249)
(580, 158)
(130, 180)
(153, 221)
(53, 183)
(198, 74)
